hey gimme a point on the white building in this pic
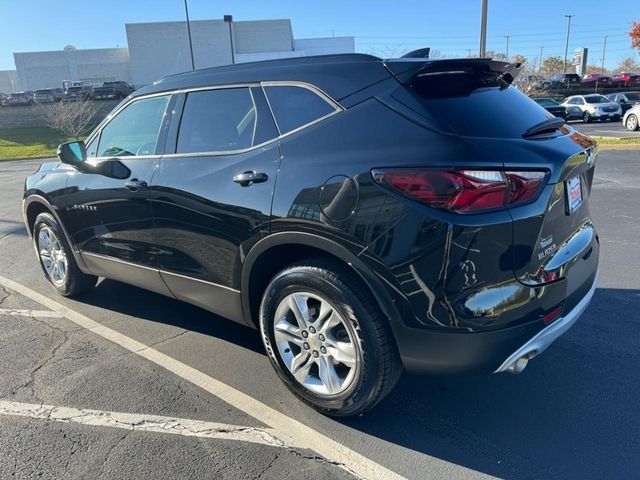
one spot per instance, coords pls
(9, 82)
(159, 49)
(49, 69)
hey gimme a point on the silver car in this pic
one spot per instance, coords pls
(631, 118)
(594, 107)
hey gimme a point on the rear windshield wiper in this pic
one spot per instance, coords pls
(546, 126)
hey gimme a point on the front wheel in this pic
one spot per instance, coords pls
(586, 118)
(56, 258)
(631, 123)
(326, 340)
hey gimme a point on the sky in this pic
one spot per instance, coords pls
(384, 28)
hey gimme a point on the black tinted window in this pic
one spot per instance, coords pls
(294, 107)
(217, 120)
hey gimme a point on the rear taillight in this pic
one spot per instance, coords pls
(464, 191)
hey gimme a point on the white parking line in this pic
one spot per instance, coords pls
(290, 431)
(144, 423)
(30, 313)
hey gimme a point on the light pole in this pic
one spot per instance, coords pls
(229, 20)
(483, 30)
(566, 45)
(507, 52)
(540, 67)
(604, 50)
(186, 12)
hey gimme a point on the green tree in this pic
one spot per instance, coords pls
(551, 65)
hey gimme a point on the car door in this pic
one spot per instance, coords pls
(211, 197)
(109, 219)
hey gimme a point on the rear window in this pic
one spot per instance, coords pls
(596, 99)
(294, 107)
(473, 107)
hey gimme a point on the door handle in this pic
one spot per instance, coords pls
(247, 179)
(135, 184)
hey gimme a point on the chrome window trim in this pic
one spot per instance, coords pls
(271, 83)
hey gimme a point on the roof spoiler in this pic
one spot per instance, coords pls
(406, 71)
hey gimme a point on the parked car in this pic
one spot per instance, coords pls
(562, 80)
(596, 79)
(626, 79)
(626, 100)
(631, 118)
(112, 90)
(20, 99)
(84, 92)
(594, 107)
(551, 106)
(364, 215)
(48, 95)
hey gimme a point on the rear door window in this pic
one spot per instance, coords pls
(295, 106)
(218, 120)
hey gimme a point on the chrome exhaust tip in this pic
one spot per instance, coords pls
(519, 365)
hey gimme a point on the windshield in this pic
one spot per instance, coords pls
(596, 99)
(632, 96)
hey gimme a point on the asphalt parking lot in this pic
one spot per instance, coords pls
(124, 383)
(604, 129)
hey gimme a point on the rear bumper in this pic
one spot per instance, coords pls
(549, 334)
(445, 353)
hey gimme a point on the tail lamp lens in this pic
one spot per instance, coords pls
(464, 191)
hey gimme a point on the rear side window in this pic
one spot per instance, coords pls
(294, 107)
(217, 121)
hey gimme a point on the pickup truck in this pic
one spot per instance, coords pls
(112, 90)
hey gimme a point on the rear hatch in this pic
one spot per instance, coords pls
(473, 99)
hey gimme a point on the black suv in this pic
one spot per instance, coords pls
(365, 215)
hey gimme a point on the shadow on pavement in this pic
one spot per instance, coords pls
(133, 301)
(573, 413)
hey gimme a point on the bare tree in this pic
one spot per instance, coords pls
(74, 119)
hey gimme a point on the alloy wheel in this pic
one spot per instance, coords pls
(315, 343)
(52, 256)
(632, 122)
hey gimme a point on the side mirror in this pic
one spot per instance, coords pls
(72, 153)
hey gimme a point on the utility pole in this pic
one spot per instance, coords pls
(186, 12)
(604, 50)
(229, 20)
(566, 45)
(540, 66)
(483, 30)
(507, 53)
(469, 50)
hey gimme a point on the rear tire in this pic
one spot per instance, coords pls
(631, 123)
(56, 258)
(360, 351)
